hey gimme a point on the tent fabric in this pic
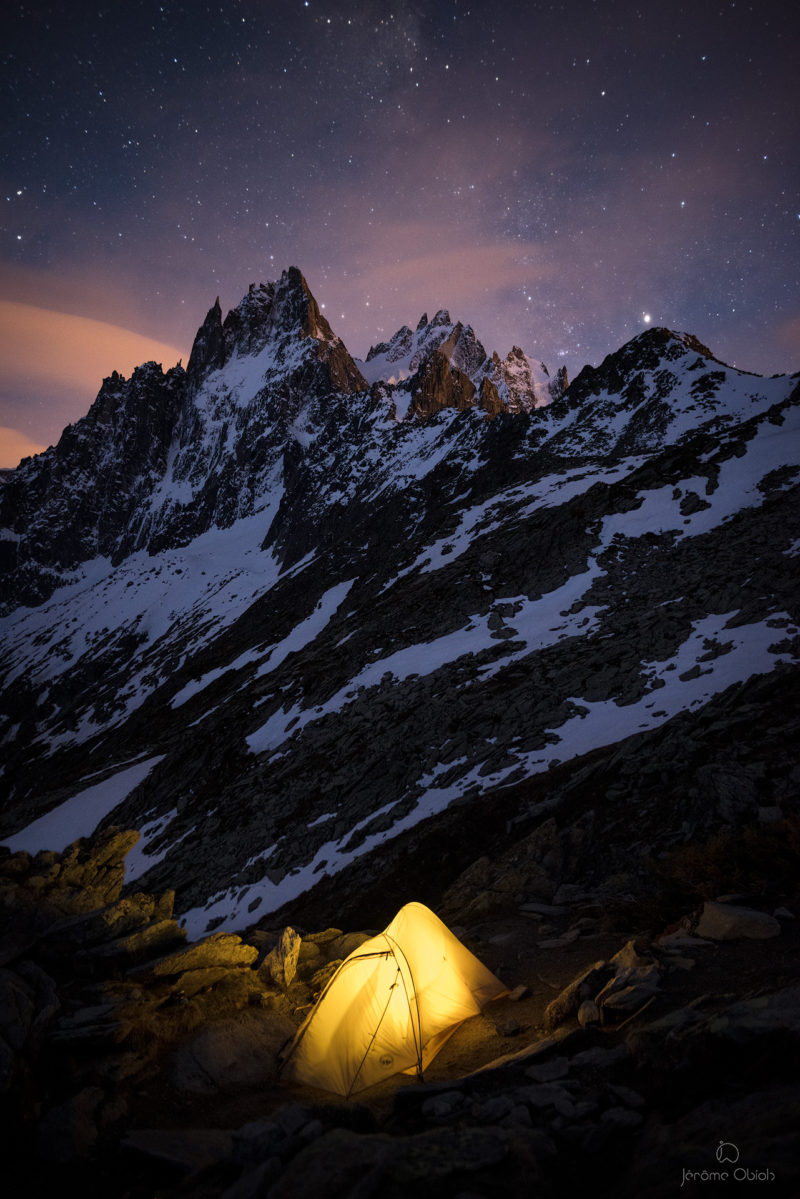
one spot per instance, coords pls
(390, 1006)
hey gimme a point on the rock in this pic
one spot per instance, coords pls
(621, 1118)
(96, 868)
(238, 1053)
(678, 940)
(70, 1130)
(280, 964)
(94, 1026)
(724, 922)
(489, 398)
(569, 893)
(45, 997)
(344, 945)
(319, 981)
(561, 1038)
(310, 959)
(103, 924)
(134, 947)
(588, 1013)
(325, 937)
(17, 1009)
(17, 865)
(518, 1117)
(493, 1110)
(191, 982)
(255, 1183)
(677, 961)
(220, 949)
(628, 999)
(631, 954)
(776, 1015)
(542, 1095)
(646, 979)
(443, 1160)
(584, 986)
(782, 913)
(509, 1028)
(627, 1095)
(559, 942)
(599, 1058)
(441, 1106)
(762, 1124)
(256, 1142)
(543, 909)
(557, 1067)
(187, 1149)
(520, 992)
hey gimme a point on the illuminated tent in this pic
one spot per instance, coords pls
(390, 1006)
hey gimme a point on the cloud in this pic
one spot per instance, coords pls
(37, 343)
(457, 273)
(788, 337)
(52, 364)
(14, 446)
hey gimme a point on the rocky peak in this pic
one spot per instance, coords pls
(294, 308)
(208, 350)
(269, 312)
(438, 384)
(397, 347)
(527, 382)
(422, 322)
(464, 350)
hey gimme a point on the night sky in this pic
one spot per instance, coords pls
(559, 175)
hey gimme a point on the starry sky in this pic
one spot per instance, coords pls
(558, 174)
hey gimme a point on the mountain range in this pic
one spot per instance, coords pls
(312, 624)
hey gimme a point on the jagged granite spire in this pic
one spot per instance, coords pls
(271, 313)
(208, 350)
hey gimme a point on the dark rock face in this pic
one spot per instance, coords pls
(74, 501)
(440, 385)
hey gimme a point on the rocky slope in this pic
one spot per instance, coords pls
(301, 620)
(133, 1064)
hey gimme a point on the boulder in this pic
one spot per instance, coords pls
(588, 1013)
(323, 938)
(727, 922)
(631, 954)
(135, 946)
(220, 949)
(344, 945)
(585, 986)
(186, 1149)
(103, 924)
(280, 964)
(630, 987)
(70, 1129)
(448, 1161)
(235, 1054)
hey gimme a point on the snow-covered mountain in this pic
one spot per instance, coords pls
(288, 613)
(409, 360)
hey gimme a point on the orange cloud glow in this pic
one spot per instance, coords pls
(55, 348)
(15, 446)
(52, 365)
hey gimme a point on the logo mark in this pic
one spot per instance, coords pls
(727, 1152)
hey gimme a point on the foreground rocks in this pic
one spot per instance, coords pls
(145, 1065)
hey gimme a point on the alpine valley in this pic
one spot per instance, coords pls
(291, 640)
(308, 623)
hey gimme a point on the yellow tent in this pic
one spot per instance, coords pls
(390, 1006)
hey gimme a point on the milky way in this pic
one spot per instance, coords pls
(559, 175)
